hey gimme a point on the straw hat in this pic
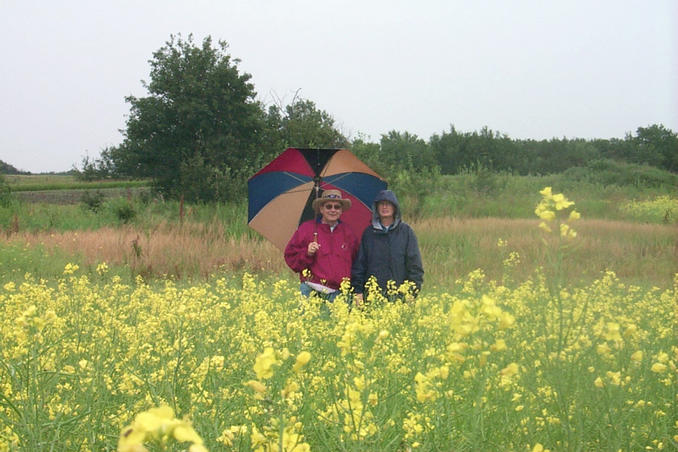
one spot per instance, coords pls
(331, 195)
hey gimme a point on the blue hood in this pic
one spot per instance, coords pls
(385, 195)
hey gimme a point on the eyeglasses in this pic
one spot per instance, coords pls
(329, 206)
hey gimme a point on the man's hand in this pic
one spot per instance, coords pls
(313, 247)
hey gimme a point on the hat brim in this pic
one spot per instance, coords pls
(345, 203)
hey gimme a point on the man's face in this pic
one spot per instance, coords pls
(331, 211)
(385, 209)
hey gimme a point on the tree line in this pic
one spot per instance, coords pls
(200, 133)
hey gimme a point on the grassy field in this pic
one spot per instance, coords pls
(21, 183)
(139, 322)
(629, 230)
(64, 189)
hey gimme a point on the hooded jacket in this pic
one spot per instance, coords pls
(332, 262)
(390, 254)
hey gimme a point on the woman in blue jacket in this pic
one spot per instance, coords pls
(388, 250)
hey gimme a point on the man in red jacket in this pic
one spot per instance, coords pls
(322, 250)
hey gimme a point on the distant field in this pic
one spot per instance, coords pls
(74, 196)
(44, 182)
(16, 181)
(66, 189)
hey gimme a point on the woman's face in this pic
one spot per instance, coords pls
(385, 209)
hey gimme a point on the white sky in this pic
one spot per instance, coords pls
(528, 68)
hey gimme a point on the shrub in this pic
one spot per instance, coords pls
(611, 172)
(123, 210)
(92, 200)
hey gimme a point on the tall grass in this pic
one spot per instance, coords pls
(188, 251)
(639, 253)
(451, 248)
(459, 224)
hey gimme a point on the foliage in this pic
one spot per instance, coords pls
(6, 168)
(195, 133)
(656, 146)
(123, 209)
(92, 200)
(301, 124)
(662, 209)
(456, 151)
(613, 172)
(405, 162)
(96, 169)
(5, 192)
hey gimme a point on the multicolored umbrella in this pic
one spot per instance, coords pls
(281, 193)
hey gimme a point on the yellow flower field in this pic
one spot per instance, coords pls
(252, 366)
(90, 363)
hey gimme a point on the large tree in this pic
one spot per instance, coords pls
(301, 124)
(195, 132)
(657, 146)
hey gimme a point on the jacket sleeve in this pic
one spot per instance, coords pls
(296, 252)
(415, 267)
(359, 267)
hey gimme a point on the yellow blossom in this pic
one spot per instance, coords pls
(658, 368)
(263, 365)
(256, 385)
(302, 359)
(510, 370)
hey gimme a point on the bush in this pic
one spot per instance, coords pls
(123, 210)
(612, 172)
(413, 187)
(92, 200)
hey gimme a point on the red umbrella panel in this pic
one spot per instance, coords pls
(281, 193)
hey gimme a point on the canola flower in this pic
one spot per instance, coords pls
(554, 211)
(158, 425)
(82, 361)
(662, 209)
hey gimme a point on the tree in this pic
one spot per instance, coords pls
(405, 151)
(301, 124)
(657, 146)
(6, 168)
(196, 132)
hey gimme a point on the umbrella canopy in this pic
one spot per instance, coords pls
(281, 193)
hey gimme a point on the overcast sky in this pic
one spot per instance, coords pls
(529, 69)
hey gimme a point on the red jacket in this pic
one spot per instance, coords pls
(332, 262)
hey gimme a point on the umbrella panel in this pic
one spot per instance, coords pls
(362, 186)
(343, 161)
(278, 220)
(265, 187)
